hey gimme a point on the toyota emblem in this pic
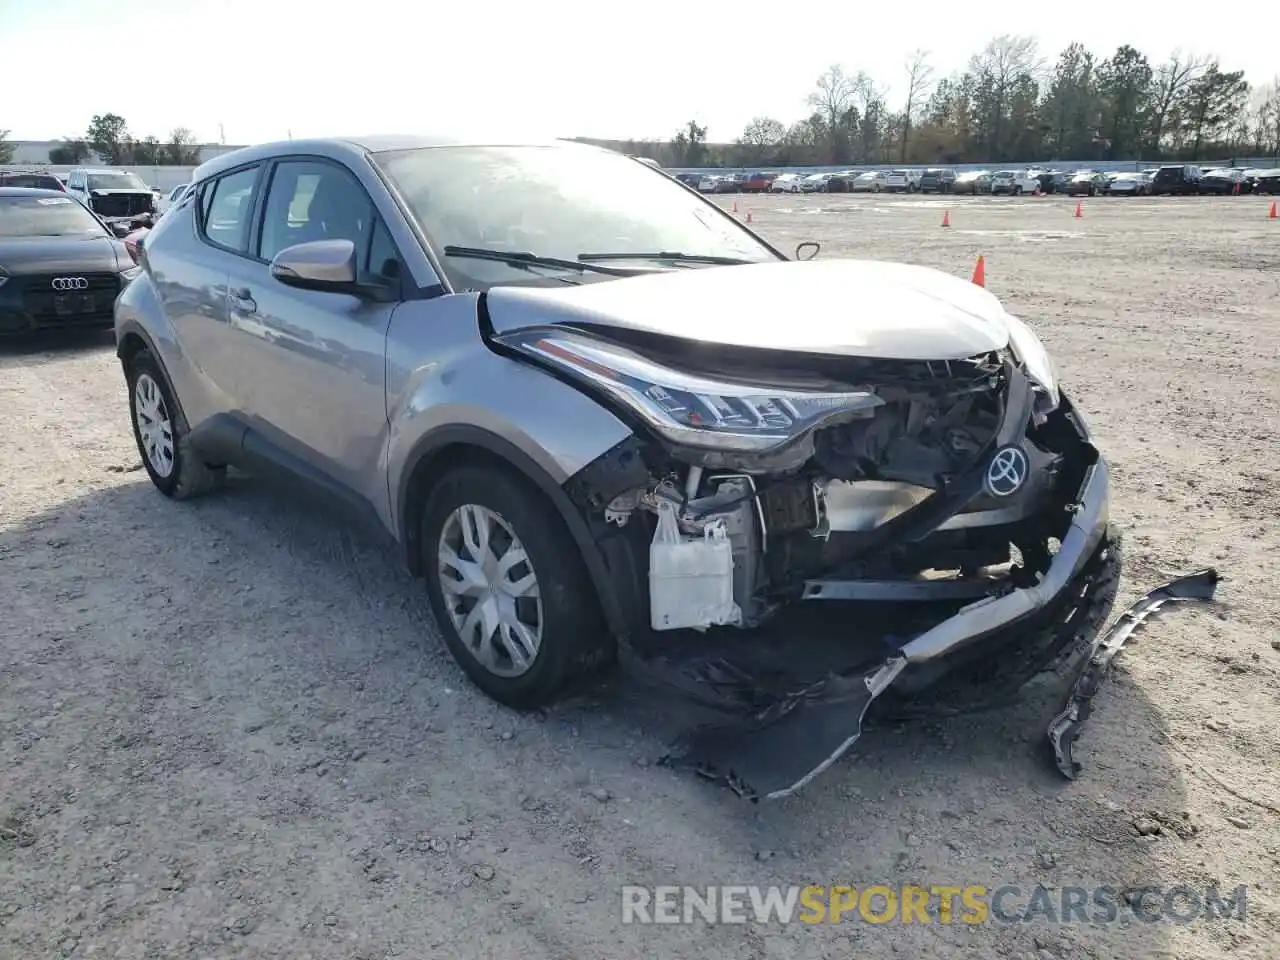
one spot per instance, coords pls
(1007, 472)
(70, 283)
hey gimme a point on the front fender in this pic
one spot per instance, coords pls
(441, 373)
(447, 391)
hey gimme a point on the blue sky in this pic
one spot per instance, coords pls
(266, 68)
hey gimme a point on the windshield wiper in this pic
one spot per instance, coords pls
(672, 255)
(522, 258)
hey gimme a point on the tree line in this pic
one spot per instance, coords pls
(108, 136)
(1009, 104)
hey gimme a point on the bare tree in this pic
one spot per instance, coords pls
(760, 137)
(919, 80)
(1005, 65)
(831, 100)
(1172, 80)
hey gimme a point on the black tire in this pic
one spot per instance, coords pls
(575, 641)
(1017, 190)
(189, 475)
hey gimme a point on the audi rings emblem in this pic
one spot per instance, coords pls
(70, 283)
(1007, 472)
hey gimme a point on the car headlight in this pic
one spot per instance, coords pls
(4, 277)
(130, 273)
(687, 409)
(1030, 352)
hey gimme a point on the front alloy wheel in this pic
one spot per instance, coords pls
(490, 590)
(508, 586)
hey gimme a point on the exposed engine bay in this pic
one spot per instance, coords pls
(867, 506)
(961, 497)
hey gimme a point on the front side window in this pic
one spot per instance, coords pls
(36, 216)
(555, 201)
(116, 181)
(227, 209)
(313, 200)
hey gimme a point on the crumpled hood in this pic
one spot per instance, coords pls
(862, 308)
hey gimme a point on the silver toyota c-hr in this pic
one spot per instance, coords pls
(600, 415)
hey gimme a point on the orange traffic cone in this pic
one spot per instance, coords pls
(946, 218)
(735, 206)
(1271, 215)
(748, 216)
(980, 272)
(1079, 209)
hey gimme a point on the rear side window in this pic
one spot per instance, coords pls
(227, 209)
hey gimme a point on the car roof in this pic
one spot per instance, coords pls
(352, 148)
(31, 192)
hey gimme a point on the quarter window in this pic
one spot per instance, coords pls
(228, 208)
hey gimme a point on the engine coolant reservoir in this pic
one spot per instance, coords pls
(690, 577)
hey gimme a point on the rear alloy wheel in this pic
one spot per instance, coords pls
(508, 588)
(163, 437)
(1017, 191)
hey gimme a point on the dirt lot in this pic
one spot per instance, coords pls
(227, 729)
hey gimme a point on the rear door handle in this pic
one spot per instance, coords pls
(242, 300)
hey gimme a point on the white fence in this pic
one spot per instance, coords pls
(161, 178)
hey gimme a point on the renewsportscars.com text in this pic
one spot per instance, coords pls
(939, 903)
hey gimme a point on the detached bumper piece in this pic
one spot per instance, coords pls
(792, 743)
(799, 734)
(1065, 728)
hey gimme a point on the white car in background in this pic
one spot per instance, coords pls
(1130, 185)
(165, 202)
(785, 183)
(815, 182)
(1015, 182)
(872, 181)
(902, 181)
(708, 184)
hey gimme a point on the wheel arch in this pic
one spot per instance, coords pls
(458, 444)
(132, 339)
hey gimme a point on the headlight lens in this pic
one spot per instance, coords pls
(131, 273)
(4, 277)
(1030, 352)
(687, 409)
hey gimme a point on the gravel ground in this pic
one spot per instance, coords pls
(228, 730)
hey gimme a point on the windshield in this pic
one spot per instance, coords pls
(39, 181)
(554, 201)
(116, 181)
(46, 217)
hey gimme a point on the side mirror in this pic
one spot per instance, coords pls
(809, 247)
(325, 265)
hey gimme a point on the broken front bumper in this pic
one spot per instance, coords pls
(790, 741)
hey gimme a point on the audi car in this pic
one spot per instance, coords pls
(604, 420)
(60, 266)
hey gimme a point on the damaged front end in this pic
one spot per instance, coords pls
(959, 502)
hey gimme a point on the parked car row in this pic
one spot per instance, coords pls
(1168, 179)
